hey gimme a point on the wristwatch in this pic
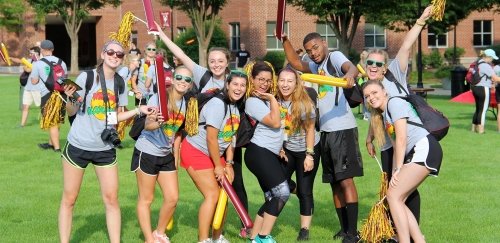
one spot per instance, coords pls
(229, 162)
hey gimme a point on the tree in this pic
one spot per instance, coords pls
(72, 12)
(11, 14)
(203, 15)
(341, 15)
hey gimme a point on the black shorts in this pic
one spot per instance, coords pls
(150, 164)
(497, 94)
(426, 152)
(44, 100)
(340, 156)
(81, 158)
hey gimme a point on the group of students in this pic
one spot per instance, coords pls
(286, 138)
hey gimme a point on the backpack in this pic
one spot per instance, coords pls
(353, 95)
(56, 75)
(473, 77)
(432, 120)
(23, 78)
(314, 98)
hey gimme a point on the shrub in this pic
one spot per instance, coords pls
(443, 72)
(448, 53)
(276, 58)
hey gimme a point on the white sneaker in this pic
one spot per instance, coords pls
(160, 238)
(207, 240)
(221, 239)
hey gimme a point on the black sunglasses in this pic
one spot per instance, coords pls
(371, 62)
(186, 78)
(112, 52)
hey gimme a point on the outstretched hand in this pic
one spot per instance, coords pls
(427, 13)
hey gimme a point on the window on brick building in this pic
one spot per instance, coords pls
(435, 40)
(374, 36)
(327, 34)
(234, 31)
(133, 36)
(483, 35)
(271, 42)
(181, 29)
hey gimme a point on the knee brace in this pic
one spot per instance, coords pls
(278, 197)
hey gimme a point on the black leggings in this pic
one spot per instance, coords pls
(238, 185)
(305, 180)
(266, 166)
(413, 200)
(482, 97)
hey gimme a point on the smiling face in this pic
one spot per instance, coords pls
(287, 82)
(181, 78)
(262, 81)
(217, 63)
(375, 95)
(316, 49)
(236, 88)
(151, 50)
(112, 61)
(375, 71)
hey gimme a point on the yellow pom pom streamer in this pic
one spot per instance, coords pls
(51, 114)
(248, 70)
(437, 11)
(125, 30)
(192, 117)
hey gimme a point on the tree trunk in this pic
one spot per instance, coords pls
(202, 53)
(73, 36)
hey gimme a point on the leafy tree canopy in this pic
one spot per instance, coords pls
(11, 14)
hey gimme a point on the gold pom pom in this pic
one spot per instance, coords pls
(438, 9)
(125, 30)
(51, 112)
(192, 117)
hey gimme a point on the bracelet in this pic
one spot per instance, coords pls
(229, 162)
(420, 22)
(310, 150)
(309, 153)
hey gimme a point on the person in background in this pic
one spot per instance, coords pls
(128, 71)
(40, 73)
(29, 94)
(242, 57)
(301, 150)
(362, 61)
(417, 154)
(151, 75)
(177, 61)
(481, 91)
(139, 86)
(155, 154)
(497, 94)
(134, 50)
(340, 155)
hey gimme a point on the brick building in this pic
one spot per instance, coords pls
(250, 22)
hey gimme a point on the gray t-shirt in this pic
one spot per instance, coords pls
(401, 109)
(213, 83)
(159, 142)
(264, 136)
(141, 78)
(496, 69)
(125, 73)
(296, 139)
(85, 133)
(212, 114)
(394, 89)
(485, 71)
(41, 70)
(152, 75)
(333, 117)
(33, 87)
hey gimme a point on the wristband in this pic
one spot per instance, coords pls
(229, 162)
(420, 22)
(310, 153)
(310, 150)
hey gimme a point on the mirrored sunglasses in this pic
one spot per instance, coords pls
(371, 62)
(151, 49)
(181, 77)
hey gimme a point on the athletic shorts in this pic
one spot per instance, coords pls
(340, 156)
(82, 158)
(150, 164)
(426, 152)
(30, 97)
(192, 157)
(497, 94)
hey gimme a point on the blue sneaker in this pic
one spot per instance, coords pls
(267, 239)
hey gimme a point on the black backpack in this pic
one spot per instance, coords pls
(246, 128)
(354, 95)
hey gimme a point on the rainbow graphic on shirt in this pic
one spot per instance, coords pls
(173, 122)
(323, 89)
(230, 127)
(97, 107)
(286, 118)
(389, 128)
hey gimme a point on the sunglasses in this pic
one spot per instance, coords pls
(111, 52)
(151, 49)
(186, 78)
(371, 62)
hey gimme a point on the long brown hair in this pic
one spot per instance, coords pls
(301, 101)
(376, 119)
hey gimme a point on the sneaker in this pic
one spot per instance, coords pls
(340, 235)
(303, 234)
(349, 238)
(267, 239)
(160, 238)
(57, 150)
(221, 239)
(207, 240)
(45, 146)
(244, 233)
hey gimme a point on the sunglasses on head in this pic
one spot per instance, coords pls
(151, 49)
(371, 62)
(180, 77)
(111, 52)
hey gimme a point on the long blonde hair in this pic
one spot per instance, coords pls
(376, 119)
(301, 101)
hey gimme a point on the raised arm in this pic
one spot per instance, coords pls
(410, 38)
(293, 58)
(176, 50)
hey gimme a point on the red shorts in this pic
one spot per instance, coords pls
(192, 157)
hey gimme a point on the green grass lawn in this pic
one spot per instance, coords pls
(461, 205)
